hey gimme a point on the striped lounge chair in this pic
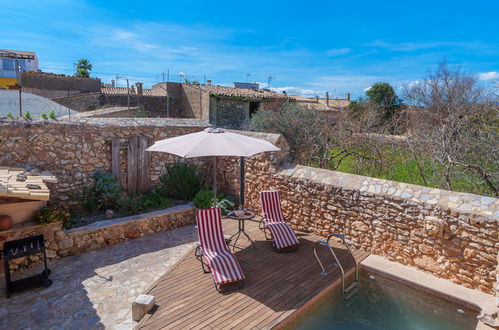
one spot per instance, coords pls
(222, 265)
(273, 221)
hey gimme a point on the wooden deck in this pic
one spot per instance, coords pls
(277, 284)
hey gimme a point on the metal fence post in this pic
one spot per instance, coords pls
(20, 103)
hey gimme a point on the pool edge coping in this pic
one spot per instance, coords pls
(405, 275)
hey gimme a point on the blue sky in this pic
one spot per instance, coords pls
(309, 47)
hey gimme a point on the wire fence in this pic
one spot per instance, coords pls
(18, 103)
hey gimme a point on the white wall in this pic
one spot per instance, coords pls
(29, 65)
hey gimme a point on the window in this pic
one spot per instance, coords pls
(22, 65)
(8, 64)
(253, 108)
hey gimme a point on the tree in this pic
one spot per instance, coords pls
(377, 109)
(315, 138)
(383, 95)
(454, 122)
(83, 68)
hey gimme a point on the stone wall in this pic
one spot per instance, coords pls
(231, 113)
(154, 105)
(60, 243)
(59, 82)
(451, 235)
(195, 102)
(174, 98)
(73, 149)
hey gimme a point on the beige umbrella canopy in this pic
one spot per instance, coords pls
(213, 142)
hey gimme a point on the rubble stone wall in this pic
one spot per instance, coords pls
(451, 235)
(60, 242)
(74, 149)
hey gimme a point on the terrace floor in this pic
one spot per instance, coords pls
(277, 284)
(95, 290)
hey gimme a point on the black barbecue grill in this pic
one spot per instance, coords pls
(22, 248)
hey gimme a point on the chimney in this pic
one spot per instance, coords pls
(139, 88)
(327, 98)
(347, 96)
(208, 82)
(113, 83)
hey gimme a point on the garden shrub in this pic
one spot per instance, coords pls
(144, 202)
(49, 215)
(204, 200)
(105, 194)
(182, 181)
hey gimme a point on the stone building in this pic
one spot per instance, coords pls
(222, 106)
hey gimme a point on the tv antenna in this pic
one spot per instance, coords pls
(269, 79)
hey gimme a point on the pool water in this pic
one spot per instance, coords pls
(384, 304)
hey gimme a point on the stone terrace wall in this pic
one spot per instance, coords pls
(60, 243)
(451, 235)
(73, 149)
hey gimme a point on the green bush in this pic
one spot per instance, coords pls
(44, 116)
(49, 215)
(9, 114)
(105, 194)
(52, 114)
(28, 115)
(204, 200)
(144, 202)
(182, 181)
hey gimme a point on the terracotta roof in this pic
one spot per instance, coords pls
(133, 91)
(240, 92)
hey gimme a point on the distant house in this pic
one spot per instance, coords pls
(26, 61)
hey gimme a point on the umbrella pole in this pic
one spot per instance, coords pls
(241, 184)
(215, 181)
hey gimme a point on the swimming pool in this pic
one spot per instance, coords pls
(382, 303)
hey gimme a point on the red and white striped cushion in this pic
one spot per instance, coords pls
(223, 265)
(283, 234)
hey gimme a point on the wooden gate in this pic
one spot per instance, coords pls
(138, 162)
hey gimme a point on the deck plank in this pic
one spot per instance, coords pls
(277, 284)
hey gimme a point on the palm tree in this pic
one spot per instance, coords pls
(83, 68)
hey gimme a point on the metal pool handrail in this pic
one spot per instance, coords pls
(344, 240)
(324, 273)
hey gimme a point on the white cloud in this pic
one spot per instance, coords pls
(413, 83)
(414, 46)
(347, 82)
(338, 51)
(487, 76)
(368, 88)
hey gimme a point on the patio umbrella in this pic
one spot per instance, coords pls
(214, 142)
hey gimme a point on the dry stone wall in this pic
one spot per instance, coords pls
(60, 243)
(451, 235)
(74, 149)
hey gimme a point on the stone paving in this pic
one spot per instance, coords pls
(95, 290)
